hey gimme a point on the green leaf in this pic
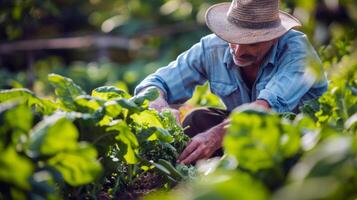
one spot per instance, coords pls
(17, 93)
(147, 118)
(112, 108)
(48, 107)
(86, 103)
(150, 118)
(161, 168)
(109, 93)
(150, 94)
(147, 134)
(253, 139)
(65, 89)
(163, 135)
(202, 96)
(105, 121)
(24, 95)
(79, 166)
(251, 109)
(229, 184)
(16, 124)
(15, 169)
(19, 118)
(128, 140)
(310, 108)
(129, 105)
(174, 173)
(52, 135)
(168, 119)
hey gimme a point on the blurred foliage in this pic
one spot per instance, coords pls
(23, 18)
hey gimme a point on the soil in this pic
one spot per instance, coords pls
(143, 185)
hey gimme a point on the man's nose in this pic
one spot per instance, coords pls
(237, 49)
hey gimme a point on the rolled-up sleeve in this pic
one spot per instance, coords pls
(178, 79)
(294, 78)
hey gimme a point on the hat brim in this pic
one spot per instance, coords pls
(217, 22)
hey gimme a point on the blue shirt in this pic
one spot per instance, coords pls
(284, 79)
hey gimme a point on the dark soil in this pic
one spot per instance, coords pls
(147, 182)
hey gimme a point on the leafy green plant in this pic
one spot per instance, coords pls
(108, 139)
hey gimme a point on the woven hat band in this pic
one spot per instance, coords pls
(254, 10)
(254, 25)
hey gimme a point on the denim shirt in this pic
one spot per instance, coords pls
(284, 79)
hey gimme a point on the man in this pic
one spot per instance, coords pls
(253, 57)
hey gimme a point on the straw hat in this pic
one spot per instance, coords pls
(249, 21)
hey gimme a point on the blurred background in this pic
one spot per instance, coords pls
(117, 42)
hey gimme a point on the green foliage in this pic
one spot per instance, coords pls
(339, 104)
(149, 95)
(32, 158)
(203, 97)
(22, 94)
(65, 89)
(15, 169)
(128, 141)
(266, 136)
(78, 166)
(65, 144)
(109, 93)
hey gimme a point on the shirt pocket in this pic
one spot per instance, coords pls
(222, 89)
(261, 85)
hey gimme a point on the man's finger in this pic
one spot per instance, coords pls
(194, 156)
(188, 150)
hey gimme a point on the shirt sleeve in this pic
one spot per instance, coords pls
(179, 78)
(294, 76)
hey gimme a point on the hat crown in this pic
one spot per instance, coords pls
(248, 12)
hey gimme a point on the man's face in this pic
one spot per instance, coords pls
(249, 54)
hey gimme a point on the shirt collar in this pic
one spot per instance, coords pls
(228, 59)
(269, 58)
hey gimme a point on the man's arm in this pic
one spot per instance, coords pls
(203, 145)
(179, 78)
(293, 78)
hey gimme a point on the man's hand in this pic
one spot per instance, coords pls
(203, 145)
(262, 103)
(160, 104)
